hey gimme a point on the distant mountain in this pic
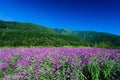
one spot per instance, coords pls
(92, 37)
(29, 34)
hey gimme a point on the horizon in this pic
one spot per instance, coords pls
(82, 15)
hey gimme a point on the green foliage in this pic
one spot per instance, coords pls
(1, 75)
(108, 68)
(30, 68)
(14, 59)
(94, 70)
(8, 70)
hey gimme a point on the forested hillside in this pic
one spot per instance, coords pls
(29, 34)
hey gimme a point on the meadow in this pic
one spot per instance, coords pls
(59, 64)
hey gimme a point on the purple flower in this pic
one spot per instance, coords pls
(45, 68)
(38, 70)
(79, 62)
(70, 60)
(13, 79)
(58, 66)
(5, 79)
(56, 59)
(73, 68)
(1, 65)
(72, 77)
(67, 71)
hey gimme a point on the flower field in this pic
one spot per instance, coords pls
(59, 64)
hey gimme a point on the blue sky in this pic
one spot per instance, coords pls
(95, 15)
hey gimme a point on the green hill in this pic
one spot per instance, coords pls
(29, 34)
